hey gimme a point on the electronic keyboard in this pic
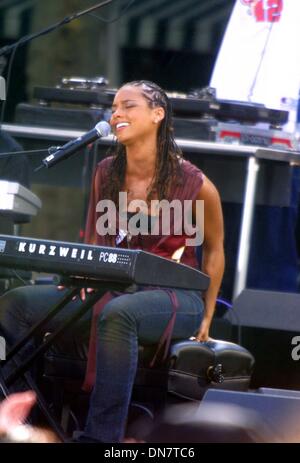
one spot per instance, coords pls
(101, 263)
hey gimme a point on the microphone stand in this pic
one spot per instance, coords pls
(66, 20)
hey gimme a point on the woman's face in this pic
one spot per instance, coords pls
(132, 118)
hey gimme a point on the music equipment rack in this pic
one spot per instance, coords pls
(182, 105)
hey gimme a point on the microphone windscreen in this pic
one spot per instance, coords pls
(103, 128)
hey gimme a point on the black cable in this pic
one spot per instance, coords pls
(3, 389)
(26, 283)
(62, 22)
(28, 38)
(110, 21)
(20, 42)
(251, 91)
(66, 20)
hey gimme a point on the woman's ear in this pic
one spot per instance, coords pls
(159, 114)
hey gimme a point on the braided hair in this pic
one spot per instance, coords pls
(167, 168)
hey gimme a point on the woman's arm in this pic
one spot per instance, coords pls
(212, 251)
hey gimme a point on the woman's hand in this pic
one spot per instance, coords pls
(203, 332)
(83, 292)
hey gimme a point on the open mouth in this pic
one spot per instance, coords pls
(121, 125)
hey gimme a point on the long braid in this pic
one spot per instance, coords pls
(167, 169)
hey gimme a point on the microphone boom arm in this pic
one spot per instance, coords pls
(66, 20)
(59, 153)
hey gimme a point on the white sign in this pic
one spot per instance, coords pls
(259, 58)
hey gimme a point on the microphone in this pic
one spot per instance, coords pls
(102, 129)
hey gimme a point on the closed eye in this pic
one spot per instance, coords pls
(125, 104)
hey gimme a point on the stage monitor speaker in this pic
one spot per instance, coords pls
(268, 309)
(267, 323)
(228, 417)
(276, 415)
(210, 423)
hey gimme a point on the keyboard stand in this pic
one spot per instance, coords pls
(23, 367)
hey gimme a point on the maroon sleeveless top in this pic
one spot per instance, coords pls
(158, 243)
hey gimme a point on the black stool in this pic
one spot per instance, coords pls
(190, 369)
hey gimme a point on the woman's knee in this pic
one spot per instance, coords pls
(12, 310)
(116, 311)
(12, 301)
(26, 303)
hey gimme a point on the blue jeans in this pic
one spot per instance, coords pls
(125, 322)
